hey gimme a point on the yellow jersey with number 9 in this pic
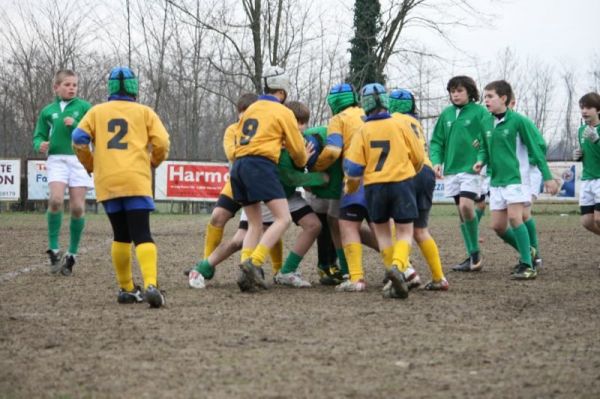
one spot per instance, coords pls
(417, 129)
(128, 138)
(265, 127)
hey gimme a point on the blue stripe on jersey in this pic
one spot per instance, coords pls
(268, 97)
(335, 139)
(120, 97)
(353, 169)
(80, 136)
(381, 115)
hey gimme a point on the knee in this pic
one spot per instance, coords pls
(219, 217)
(55, 203)
(499, 229)
(77, 211)
(420, 234)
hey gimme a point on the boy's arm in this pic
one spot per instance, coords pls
(527, 132)
(333, 146)
(296, 178)
(41, 132)
(294, 141)
(354, 163)
(229, 142)
(159, 138)
(81, 137)
(437, 143)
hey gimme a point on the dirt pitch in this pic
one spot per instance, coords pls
(488, 337)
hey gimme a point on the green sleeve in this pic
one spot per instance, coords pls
(437, 143)
(41, 132)
(483, 154)
(528, 133)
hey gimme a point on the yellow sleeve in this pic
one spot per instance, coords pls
(330, 153)
(229, 142)
(159, 139)
(294, 141)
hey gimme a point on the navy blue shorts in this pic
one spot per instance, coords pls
(227, 203)
(424, 186)
(255, 179)
(354, 213)
(124, 204)
(392, 201)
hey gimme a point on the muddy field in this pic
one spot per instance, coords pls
(63, 337)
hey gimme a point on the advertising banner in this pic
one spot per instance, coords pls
(37, 182)
(10, 179)
(190, 181)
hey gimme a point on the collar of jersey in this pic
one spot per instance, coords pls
(268, 97)
(381, 115)
(120, 97)
(58, 99)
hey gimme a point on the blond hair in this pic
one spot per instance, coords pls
(61, 75)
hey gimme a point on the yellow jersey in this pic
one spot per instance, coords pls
(387, 149)
(128, 138)
(417, 129)
(264, 129)
(340, 130)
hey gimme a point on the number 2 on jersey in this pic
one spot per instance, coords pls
(120, 127)
(385, 150)
(248, 130)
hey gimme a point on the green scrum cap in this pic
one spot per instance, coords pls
(122, 80)
(341, 96)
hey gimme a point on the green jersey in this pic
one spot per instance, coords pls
(508, 147)
(539, 140)
(51, 127)
(333, 190)
(591, 155)
(292, 177)
(456, 138)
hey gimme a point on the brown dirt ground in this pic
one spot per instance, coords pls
(488, 337)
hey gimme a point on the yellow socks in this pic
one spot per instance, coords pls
(432, 256)
(147, 257)
(213, 238)
(401, 254)
(246, 253)
(353, 253)
(121, 260)
(388, 257)
(259, 255)
(276, 254)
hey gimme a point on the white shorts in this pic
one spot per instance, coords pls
(589, 193)
(455, 184)
(485, 185)
(295, 203)
(535, 181)
(320, 205)
(67, 169)
(501, 197)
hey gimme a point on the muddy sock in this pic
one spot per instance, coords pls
(276, 255)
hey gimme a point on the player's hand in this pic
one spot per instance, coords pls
(591, 134)
(351, 185)
(438, 171)
(68, 121)
(44, 147)
(478, 166)
(551, 186)
(577, 154)
(326, 178)
(310, 149)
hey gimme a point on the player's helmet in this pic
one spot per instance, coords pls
(122, 80)
(373, 96)
(341, 96)
(275, 78)
(402, 101)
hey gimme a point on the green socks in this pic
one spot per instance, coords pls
(342, 259)
(205, 269)
(531, 229)
(509, 238)
(465, 234)
(291, 263)
(479, 213)
(472, 229)
(523, 243)
(54, 221)
(76, 228)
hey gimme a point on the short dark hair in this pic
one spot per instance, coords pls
(245, 101)
(502, 88)
(301, 111)
(590, 100)
(466, 82)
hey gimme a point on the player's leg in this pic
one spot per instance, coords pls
(54, 217)
(77, 224)
(224, 210)
(350, 222)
